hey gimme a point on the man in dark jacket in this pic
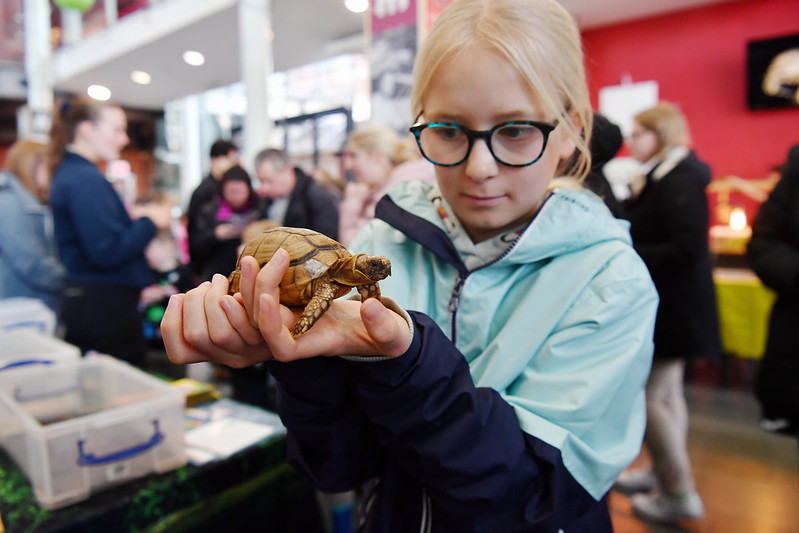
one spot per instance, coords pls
(291, 197)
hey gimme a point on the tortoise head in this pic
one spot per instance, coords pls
(372, 267)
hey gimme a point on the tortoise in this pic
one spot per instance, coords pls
(320, 270)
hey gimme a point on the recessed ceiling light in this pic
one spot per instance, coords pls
(193, 58)
(140, 77)
(99, 92)
(357, 6)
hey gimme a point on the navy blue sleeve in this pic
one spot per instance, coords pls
(464, 443)
(329, 438)
(423, 411)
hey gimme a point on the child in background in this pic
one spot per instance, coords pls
(498, 384)
(170, 277)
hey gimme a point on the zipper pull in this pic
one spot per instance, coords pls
(455, 298)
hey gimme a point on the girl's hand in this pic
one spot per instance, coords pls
(348, 327)
(207, 324)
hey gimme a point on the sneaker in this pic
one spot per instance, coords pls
(633, 481)
(668, 509)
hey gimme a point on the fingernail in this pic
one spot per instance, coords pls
(369, 310)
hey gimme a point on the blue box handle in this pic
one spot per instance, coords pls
(88, 459)
(26, 362)
(20, 398)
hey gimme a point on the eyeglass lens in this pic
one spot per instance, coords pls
(512, 144)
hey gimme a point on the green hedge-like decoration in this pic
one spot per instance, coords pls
(80, 5)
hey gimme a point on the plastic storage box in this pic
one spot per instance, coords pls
(26, 314)
(77, 428)
(21, 348)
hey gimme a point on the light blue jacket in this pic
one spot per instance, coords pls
(29, 265)
(560, 325)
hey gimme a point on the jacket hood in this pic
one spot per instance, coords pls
(568, 221)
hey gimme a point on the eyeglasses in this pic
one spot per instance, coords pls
(518, 143)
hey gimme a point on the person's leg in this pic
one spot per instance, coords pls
(667, 440)
(667, 426)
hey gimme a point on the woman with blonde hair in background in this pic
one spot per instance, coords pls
(100, 243)
(669, 217)
(377, 159)
(29, 265)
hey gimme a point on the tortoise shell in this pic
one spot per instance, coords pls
(320, 270)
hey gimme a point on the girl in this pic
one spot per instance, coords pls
(503, 389)
(29, 265)
(100, 244)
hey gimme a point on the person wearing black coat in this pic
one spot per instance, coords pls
(292, 198)
(669, 218)
(606, 141)
(773, 254)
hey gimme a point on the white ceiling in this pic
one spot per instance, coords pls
(304, 31)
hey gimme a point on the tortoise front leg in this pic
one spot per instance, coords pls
(369, 291)
(317, 307)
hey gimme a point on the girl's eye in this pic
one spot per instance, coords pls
(517, 132)
(446, 133)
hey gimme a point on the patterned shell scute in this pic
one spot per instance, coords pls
(311, 257)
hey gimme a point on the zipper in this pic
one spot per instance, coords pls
(426, 525)
(460, 280)
(455, 302)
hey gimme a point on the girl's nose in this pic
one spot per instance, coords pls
(481, 165)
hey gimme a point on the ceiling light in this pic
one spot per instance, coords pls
(141, 77)
(99, 92)
(357, 6)
(193, 58)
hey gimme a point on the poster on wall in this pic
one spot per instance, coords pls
(773, 72)
(393, 50)
(620, 103)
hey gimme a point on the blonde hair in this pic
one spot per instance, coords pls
(375, 138)
(668, 124)
(540, 39)
(23, 160)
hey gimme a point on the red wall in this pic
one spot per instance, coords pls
(698, 57)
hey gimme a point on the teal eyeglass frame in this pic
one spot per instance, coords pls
(545, 127)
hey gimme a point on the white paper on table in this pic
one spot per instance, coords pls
(226, 436)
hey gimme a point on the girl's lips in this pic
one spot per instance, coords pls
(481, 200)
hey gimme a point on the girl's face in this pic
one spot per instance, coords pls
(479, 90)
(104, 139)
(236, 194)
(643, 143)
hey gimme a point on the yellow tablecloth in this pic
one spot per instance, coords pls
(744, 304)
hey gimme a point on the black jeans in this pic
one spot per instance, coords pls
(105, 318)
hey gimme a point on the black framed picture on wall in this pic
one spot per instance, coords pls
(773, 72)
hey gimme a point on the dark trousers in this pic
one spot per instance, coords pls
(104, 317)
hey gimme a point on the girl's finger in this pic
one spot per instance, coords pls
(276, 334)
(249, 269)
(268, 280)
(178, 349)
(237, 315)
(221, 332)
